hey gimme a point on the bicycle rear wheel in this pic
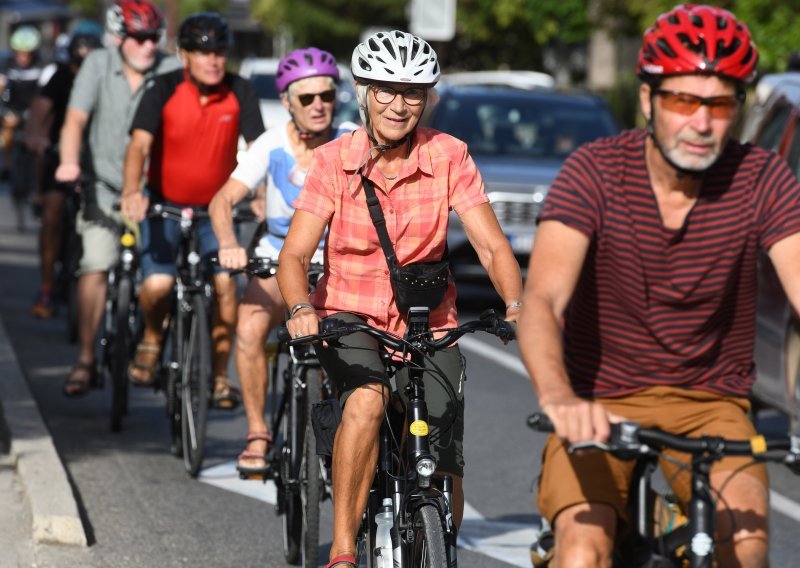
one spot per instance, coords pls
(170, 348)
(195, 369)
(311, 478)
(429, 549)
(121, 351)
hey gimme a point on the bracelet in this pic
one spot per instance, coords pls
(297, 307)
(514, 304)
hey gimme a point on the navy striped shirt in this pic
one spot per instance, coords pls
(656, 306)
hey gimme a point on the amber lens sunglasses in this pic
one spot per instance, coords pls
(724, 106)
(326, 96)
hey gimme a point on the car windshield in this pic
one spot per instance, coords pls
(521, 125)
(264, 85)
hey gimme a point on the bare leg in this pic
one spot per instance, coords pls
(261, 308)
(584, 536)
(355, 455)
(743, 508)
(50, 234)
(154, 300)
(91, 299)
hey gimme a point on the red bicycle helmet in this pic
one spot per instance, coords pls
(698, 39)
(132, 17)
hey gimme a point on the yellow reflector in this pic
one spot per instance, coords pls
(419, 428)
(758, 444)
(127, 240)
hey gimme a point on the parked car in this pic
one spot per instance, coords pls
(773, 122)
(519, 130)
(261, 73)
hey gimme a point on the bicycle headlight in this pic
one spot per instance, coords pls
(426, 467)
(126, 256)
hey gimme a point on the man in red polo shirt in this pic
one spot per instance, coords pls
(187, 124)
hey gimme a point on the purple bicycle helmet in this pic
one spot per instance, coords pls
(304, 63)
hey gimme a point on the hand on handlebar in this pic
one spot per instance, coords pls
(68, 173)
(304, 322)
(233, 258)
(578, 420)
(134, 205)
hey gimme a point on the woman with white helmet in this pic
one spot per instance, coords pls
(418, 176)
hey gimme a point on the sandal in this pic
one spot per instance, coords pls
(226, 396)
(342, 561)
(253, 455)
(75, 387)
(149, 377)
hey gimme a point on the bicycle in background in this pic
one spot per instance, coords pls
(406, 491)
(655, 541)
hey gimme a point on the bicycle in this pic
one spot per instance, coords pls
(300, 475)
(422, 526)
(121, 322)
(691, 543)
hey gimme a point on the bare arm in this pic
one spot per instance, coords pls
(557, 258)
(70, 145)
(231, 255)
(298, 249)
(134, 202)
(495, 254)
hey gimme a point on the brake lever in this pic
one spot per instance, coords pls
(587, 445)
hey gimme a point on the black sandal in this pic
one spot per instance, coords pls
(74, 387)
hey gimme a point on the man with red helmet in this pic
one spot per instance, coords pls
(104, 97)
(640, 300)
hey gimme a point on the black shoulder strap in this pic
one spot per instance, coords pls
(376, 213)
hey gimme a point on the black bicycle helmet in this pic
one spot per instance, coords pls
(204, 31)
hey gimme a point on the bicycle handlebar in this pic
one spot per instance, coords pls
(265, 267)
(629, 439)
(333, 328)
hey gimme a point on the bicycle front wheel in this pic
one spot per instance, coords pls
(195, 369)
(291, 465)
(311, 478)
(120, 352)
(428, 549)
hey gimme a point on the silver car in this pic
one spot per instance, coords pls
(519, 133)
(773, 122)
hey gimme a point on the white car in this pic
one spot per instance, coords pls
(261, 73)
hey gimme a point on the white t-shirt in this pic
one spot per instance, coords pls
(270, 161)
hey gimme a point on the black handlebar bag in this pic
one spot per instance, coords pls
(421, 284)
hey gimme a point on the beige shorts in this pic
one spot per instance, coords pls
(99, 236)
(597, 477)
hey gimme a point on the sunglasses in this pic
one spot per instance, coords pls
(141, 39)
(308, 98)
(386, 95)
(725, 106)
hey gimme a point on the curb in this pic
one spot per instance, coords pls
(42, 475)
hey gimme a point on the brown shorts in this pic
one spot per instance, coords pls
(597, 477)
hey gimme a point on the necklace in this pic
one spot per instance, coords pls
(387, 177)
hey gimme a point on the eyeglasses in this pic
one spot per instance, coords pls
(724, 106)
(412, 97)
(308, 98)
(141, 39)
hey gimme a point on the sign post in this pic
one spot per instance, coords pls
(433, 20)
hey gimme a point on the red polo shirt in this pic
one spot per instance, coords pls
(194, 148)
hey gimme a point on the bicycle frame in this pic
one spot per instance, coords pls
(418, 486)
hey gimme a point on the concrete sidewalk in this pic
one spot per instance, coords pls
(37, 504)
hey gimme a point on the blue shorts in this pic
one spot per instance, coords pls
(161, 240)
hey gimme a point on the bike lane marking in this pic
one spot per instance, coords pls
(508, 542)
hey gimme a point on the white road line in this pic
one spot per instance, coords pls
(502, 357)
(784, 505)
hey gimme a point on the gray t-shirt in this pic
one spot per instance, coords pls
(102, 90)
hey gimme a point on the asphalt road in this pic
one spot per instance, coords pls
(141, 509)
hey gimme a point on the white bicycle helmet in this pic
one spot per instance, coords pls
(25, 38)
(395, 57)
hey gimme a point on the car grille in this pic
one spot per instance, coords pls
(515, 212)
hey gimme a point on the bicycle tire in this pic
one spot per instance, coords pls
(120, 352)
(195, 387)
(429, 549)
(311, 474)
(291, 461)
(169, 365)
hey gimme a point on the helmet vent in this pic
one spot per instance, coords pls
(389, 47)
(665, 48)
(364, 65)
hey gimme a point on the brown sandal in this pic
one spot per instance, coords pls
(253, 455)
(75, 387)
(226, 396)
(149, 370)
(342, 561)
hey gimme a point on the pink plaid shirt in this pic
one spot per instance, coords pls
(439, 175)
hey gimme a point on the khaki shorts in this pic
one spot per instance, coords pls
(597, 477)
(99, 235)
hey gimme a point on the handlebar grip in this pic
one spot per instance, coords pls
(283, 333)
(540, 422)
